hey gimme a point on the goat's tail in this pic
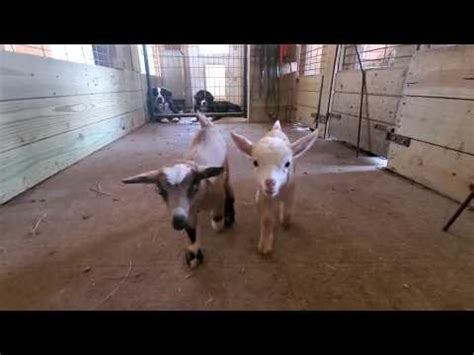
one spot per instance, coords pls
(203, 120)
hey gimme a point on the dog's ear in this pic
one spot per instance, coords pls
(166, 93)
(198, 95)
(209, 96)
(154, 91)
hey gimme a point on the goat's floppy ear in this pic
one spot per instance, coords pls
(150, 177)
(244, 145)
(277, 125)
(205, 172)
(303, 144)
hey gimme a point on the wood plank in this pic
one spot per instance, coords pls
(308, 83)
(388, 81)
(371, 139)
(381, 108)
(26, 166)
(441, 169)
(446, 122)
(26, 76)
(307, 99)
(303, 115)
(444, 72)
(26, 121)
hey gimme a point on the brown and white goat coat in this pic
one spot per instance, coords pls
(273, 157)
(199, 182)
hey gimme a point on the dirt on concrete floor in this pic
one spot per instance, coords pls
(362, 238)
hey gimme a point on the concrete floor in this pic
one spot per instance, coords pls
(363, 238)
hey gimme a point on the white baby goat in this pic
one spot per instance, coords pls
(273, 157)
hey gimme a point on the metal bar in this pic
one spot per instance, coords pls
(319, 100)
(460, 210)
(193, 114)
(244, 98)
(148, 83)
(361, 102)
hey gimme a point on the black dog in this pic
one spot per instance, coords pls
(204, 102)
(163, 101)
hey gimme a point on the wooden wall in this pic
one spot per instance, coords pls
(437, 113)
(384, 91)
(53, 113)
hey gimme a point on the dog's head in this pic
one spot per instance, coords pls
(203, 99)
(162, 95)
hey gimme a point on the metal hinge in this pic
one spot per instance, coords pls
(337, 116)
(382, 127)
(396, 138)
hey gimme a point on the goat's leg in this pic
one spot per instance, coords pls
(218, 214)
(229, 211)
(286, 206)
(193, 255)
(267, 221)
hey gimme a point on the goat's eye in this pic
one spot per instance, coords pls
(255, 163)
(287, 165)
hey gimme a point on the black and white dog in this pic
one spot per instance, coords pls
(204, 102)
(164, 103)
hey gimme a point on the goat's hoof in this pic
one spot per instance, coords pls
(194, 259)
(218, 224)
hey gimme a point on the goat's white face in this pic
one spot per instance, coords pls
(179, 186)
(273, 157)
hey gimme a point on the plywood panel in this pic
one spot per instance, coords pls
(387, 81)
(24, 167)
(309, 83)
(444, 72)
(371, 139)
(287, 87)
(449, 123)
(441, 169)
(26, 76)
(380, 108)
(26, 121)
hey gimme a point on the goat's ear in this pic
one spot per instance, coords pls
(244, 145)
(206, 172)
(150, 177)
(277, 125)
(303, 144)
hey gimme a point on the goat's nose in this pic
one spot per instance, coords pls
(270, 183)
(179, 222)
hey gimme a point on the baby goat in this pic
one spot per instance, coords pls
(273, 157)
(200, 182)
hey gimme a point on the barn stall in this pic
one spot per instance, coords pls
(393, 163)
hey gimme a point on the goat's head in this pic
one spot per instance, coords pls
(273, 156)
(179, 185)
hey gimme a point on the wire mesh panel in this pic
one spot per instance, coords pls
(377, 56)
(311, 59)
(187, 69)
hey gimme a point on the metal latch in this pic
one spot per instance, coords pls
(321, 118)
(396, 138)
